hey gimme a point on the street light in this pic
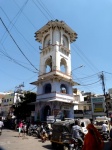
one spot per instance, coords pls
(76, 68)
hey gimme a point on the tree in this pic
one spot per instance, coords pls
(25, 107)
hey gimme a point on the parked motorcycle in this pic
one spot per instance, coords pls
(33, 131)
(47, 130)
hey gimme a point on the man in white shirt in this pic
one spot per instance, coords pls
(77, 131)
(105, 126)
(1, 125)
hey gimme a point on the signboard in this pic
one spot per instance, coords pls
(78, 113)
(65, 107)
(98, 104)
(98, 110)
(50, 119)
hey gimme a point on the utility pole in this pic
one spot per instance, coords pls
(103, 82)
(103, 87)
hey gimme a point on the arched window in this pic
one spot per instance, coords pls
(63, 66)
(46, 40)
(48, 65)
(47, 88)
(65, 41)
(63, 88)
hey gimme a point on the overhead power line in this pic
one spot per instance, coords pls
(89, 76)
(41, 10)
(17, 45)
(45, 8)
(15, 61)
(91, 83)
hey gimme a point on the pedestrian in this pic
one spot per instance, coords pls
(24, 129)
(93, 139)
(1, 125)
(20, 127)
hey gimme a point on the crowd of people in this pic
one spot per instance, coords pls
(91, 141)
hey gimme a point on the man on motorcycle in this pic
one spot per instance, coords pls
(77, 131)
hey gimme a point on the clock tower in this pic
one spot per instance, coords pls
(55, 93)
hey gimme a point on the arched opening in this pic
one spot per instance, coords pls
(65, 41)
(63, 88)
(48, 64)
(46, 41)
(47, 112)
(47, 88)
(63, 66)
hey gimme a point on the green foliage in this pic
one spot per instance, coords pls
(24, 108)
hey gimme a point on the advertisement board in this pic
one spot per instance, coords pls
(98, 104)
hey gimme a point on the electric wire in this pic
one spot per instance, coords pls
(17, 45)
(15, 17)
(45, 8)
(90, 76)
(82, 55)
(91, 83)
(17, 30)
(16, 62)
(26, 16)
(40, 10)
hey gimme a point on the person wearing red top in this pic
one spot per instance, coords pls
(93, 139)
(20, 127)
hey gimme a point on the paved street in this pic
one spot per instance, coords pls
(9, 140)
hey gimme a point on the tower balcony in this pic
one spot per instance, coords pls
(55, 96)
(55, 75)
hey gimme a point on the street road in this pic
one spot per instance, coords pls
(9, 140)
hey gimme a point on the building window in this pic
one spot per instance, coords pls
(48, 88)
(63, 89)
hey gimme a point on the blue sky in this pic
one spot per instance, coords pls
(19, 52)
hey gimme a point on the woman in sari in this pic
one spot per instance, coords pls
(93, 139)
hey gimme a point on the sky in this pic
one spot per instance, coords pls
(20, 54)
